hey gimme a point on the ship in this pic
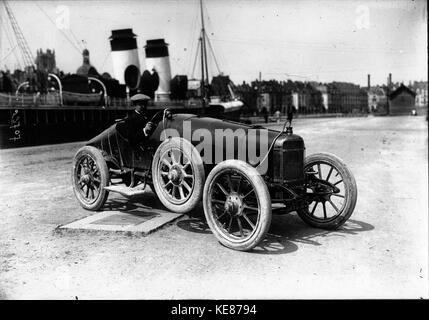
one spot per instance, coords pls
(79, 106)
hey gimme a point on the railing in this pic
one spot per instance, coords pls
(50, 76)
(54, 99)
(23, 100)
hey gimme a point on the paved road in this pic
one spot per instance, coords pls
(382, 252)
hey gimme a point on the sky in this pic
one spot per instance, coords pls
(307, 40)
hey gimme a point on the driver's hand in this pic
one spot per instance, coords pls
(168, 114)
(149, 128)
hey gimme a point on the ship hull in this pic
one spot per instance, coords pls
(37, 125)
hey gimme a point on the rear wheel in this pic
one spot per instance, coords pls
(237, 205)
(89, 177)
(331, 191)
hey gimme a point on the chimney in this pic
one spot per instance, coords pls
(369, 81)
(389, 82)
(125, 58)
(158, 60)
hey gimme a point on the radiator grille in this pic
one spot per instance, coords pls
(288, 161)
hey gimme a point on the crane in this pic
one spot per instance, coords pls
(27, 56)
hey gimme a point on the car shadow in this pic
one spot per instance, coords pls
(197, 225)
(196, 222)
(138, 205)
(290, 229)
(285, 233)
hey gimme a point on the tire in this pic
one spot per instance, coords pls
(346, 185)
(225, 209)
(95, 179)
(178, 185)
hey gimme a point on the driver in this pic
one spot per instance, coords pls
(136, 127)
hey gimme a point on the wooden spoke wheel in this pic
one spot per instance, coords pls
(331, 192)
(237, 205)
(89, 177)
(178, 175)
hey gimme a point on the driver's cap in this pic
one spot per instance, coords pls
(139, 97)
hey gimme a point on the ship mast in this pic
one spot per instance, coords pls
(204, 66)
(27, 56)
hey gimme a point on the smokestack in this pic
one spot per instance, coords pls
(369, 81)
(125, 58)
(157, 60)
(390, 80)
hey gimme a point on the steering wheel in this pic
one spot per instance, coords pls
(160, 115)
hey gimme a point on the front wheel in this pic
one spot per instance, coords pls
(331, 192)
(237, 205)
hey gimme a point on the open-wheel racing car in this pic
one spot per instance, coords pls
(185, 163)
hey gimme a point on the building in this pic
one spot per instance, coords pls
(45, 61)
(274, 100)
(421, 90)
(301, 101)
(267, 94)
(249, 96)
(86, 69)
(323, 90)
(402, 101)
(377, 99)
(305, 97)
(265, 101)
(347, 98)
(325, 98)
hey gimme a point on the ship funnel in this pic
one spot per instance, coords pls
(157, 60)
(125, 58)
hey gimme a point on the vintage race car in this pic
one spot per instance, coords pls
(192, 159)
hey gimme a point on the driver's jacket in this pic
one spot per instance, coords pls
(132, 126)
